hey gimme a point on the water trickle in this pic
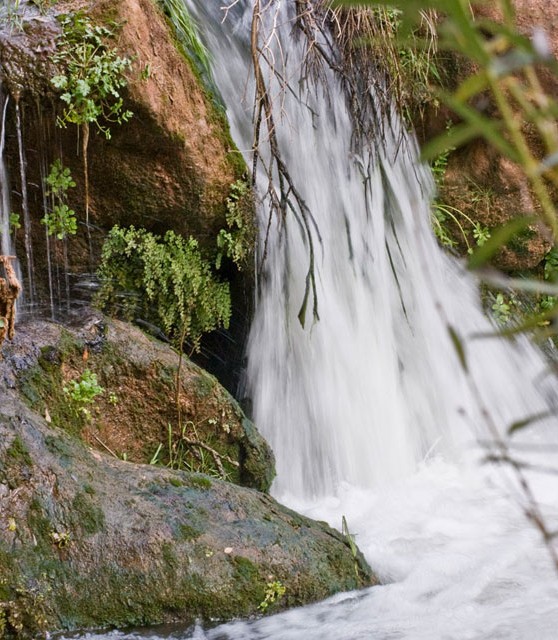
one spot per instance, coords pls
(30, 290)
(5, 231)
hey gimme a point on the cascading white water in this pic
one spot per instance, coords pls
(362, 395)
(361, 406)
(6, 247)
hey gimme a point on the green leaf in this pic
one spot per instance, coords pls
(456, 136)
(521, 424)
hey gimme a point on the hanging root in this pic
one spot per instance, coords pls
(360, 46)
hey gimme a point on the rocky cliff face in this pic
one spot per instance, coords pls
(170, 167)
(478, 180)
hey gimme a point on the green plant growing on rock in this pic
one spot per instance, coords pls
(60, 539)
(61, 220)
(164, 280)
(274, 591)
(501, 309)
(236, 242)
(83, 391)
(91, 80)
(444, 213)
(186, 451)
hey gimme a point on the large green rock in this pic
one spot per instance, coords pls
(88, 540)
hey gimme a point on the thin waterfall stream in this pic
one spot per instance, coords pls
(4, 183)
(369, 410)
(25, 206)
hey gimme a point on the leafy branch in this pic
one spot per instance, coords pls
(91, 80)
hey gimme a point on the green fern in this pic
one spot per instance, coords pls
(162, 280)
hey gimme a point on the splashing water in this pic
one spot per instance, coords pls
(369, 411)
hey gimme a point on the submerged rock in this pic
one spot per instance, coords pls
(88, 540)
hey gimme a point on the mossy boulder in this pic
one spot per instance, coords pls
(152, 405)
(89, 540)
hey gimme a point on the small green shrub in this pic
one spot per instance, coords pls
(90, 81)
(92, 75)
(164, 280)
(237, 241)
(83, 391)
(274, 591)
(501, 309)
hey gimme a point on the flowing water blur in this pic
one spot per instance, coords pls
(5, 237)
(369, 411)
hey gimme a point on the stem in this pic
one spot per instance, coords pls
(179, 373)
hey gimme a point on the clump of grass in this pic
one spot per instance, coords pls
(187, 32)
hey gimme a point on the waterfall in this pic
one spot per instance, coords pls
(365, 393)
(7, 248)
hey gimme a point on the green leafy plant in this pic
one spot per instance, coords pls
(15, 223)
(236, 242)
(61, 539)
(61, 220)
(444, 213)
(164, 280)
(92, 75)
(91, 80)
(501, 309)
(83, 391)
(274, 591)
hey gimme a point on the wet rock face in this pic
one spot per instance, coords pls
(26, 55)
(169, 167)
(89, 540)
(478, 181)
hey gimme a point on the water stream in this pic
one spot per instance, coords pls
(30, 290)
(369, 411)
(7, 248)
